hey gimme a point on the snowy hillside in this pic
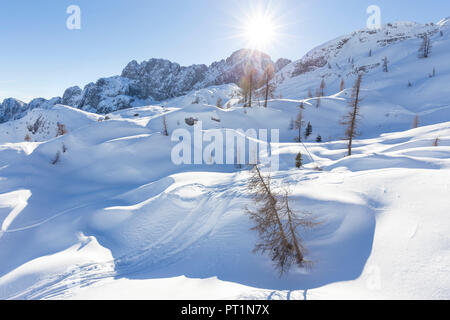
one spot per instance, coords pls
(102, 211)
(126, 211)
(392, 99)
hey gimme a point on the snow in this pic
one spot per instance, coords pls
(116, 219)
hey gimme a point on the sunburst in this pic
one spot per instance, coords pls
(258, 26)
(260, 31)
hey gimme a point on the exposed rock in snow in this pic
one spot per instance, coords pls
(43, 103)
(444, 22)
(159, 79)
(340, 53)
(72, 96)
(149, 81)
(11, 109)
(360, 52)
(281, 63)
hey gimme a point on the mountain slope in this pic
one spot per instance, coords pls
(149, 81)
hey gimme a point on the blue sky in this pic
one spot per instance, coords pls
(40, 57)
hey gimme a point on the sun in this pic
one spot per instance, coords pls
(258, 26)
(260, 31)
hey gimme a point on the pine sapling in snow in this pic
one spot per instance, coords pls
(308, 130)
(298, 160)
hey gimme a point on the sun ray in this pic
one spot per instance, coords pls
(259, 31)
(258, 26)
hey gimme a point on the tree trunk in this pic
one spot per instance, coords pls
(250, 91)
(353, 122)
(273, 202)
(267, 92)
(298, 252)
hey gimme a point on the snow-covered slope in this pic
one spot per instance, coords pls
(13, 109)
(42, 124)
(363, 51)
(117, 193)
(115, 218)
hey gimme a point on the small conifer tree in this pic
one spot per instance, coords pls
(308, 130)
(298, 160)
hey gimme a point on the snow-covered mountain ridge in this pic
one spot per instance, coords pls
(362, 51)
(159, 79)
(149, 81)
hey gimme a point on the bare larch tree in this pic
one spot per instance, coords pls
(415, 122)
(277, 224)
(425, 47)
(251, 74)
(351, 119)
(298, 123)
(322, 88)
(269, 87)
(342, 85)
(385, 64)
(165, 129)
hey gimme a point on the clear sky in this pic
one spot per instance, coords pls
(40, 56)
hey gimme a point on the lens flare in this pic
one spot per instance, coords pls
(259, 31)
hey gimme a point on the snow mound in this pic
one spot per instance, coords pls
(140, 218)
(41, 124)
